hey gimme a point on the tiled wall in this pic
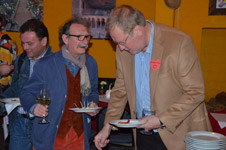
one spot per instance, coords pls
(213, 61)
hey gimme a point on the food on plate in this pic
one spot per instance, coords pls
(14, 100)
(123, 122)
(87, 107)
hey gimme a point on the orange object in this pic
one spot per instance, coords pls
(69, 118)
(124, 122)
(70, 142)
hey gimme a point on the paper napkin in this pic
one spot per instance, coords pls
(221, 119)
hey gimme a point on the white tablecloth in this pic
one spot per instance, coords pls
(10, 106)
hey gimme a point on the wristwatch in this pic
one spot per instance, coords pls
(162, 126)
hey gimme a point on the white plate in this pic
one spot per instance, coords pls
(132, 123)
(10, 100)
(81, 110)
(194, 141)
(205, 136)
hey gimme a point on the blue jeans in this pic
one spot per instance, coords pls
(20, 132)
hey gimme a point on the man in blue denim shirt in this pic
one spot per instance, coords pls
(34, 39)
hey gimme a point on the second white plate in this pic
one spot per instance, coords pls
(82, 110)
(10, 100)
(206, 136)
(133, 123)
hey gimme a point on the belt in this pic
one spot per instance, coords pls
(149, 132)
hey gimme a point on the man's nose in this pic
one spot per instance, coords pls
(121, 47)
(25, 46)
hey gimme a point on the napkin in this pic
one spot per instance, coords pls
(4, 126)
(221, 119)
(10, 106)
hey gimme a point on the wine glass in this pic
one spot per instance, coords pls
(44, 99)
(146, 112)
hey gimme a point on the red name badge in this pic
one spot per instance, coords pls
(155, 64)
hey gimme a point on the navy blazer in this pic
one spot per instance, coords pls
(50, 73)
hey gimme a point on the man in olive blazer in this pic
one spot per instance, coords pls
(176, 86)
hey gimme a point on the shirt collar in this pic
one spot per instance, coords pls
(39, 56)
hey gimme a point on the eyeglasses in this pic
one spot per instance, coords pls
(82, 37)
(124, 43)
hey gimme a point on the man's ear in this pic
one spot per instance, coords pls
(44, 41)
(65, 39)
(137, 30)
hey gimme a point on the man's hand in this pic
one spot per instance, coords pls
(40, 110)
(101, 138)
(150, 122)
(5, 69)
(93, 105)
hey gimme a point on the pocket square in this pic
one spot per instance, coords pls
(155, 64)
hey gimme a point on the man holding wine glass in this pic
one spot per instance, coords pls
(71, 78)
(35, 42)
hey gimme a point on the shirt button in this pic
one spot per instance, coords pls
(57, 126)
(65, 96)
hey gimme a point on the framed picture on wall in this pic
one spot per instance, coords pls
(16, 12)
(217, 7)
(96, 12)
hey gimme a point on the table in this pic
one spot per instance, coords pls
(10, 105)
(103, 102)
